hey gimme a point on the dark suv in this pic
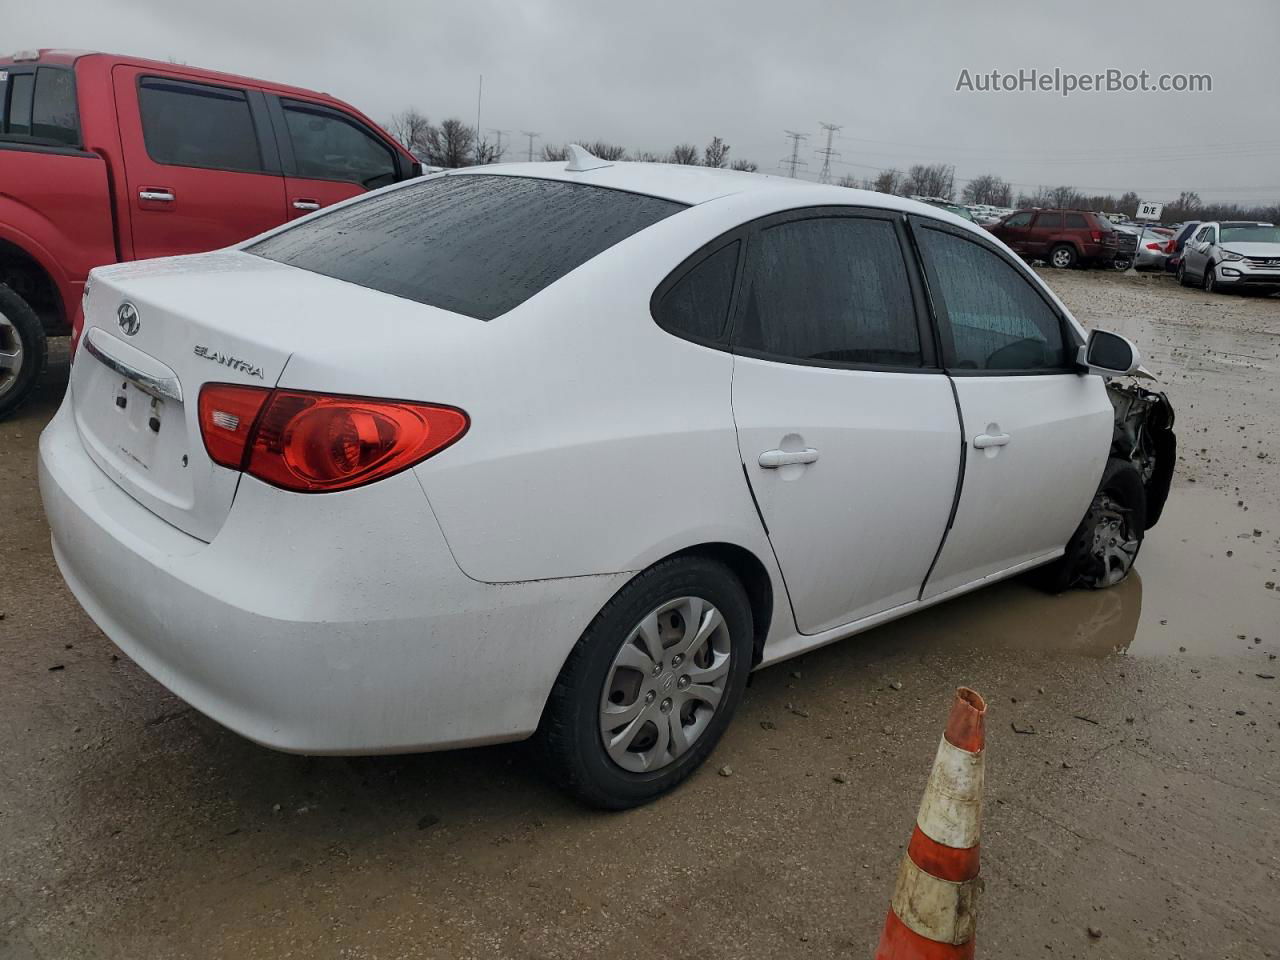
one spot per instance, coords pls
(1061, 238)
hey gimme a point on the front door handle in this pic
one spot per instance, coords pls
(306, 205)
(156, 193)
(984, 440)
(772, 459)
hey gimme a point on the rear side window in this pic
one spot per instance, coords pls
(198, 125)
(697, 305)
(997, 320)
(1076, 221)
(328, 146)
(477, 244)
(18, 121)
(1049, 221)
(832, 289)
(53, 108)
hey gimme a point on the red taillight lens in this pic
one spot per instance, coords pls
(227, 415)
(1153, 246)
(1170, 246)
(1095, 236)
(314, 443)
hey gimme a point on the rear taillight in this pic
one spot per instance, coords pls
(1171, 246)
(1095, 236)
(315, 442)
(1153, 246)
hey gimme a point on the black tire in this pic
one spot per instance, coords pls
(1209, 282)
(1181, 275)
(1063, 256)
(569, 737)
(1080, 566)
(20, 327)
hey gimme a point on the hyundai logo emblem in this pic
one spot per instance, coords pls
(127, 318)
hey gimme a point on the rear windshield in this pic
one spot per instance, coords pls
(477, 245)
(1250, 233)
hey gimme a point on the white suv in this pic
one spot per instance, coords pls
(1235, 254)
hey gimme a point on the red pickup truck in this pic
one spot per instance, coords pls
(106, 158)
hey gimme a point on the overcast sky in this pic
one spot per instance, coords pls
(653, 73)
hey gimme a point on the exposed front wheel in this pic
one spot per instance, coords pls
(651, 685)
(1182, 274)
(1210, 282)
(1102, 551)
(22, 350)
(1063, 256)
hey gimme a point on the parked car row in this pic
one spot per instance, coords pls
(106, 158)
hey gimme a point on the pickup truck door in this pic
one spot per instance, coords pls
(1037, 430)
(846, 425)
(201, 166)
(328, 155)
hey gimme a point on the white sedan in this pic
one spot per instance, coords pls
(568, 450)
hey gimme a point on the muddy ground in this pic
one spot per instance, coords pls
(1142, 797)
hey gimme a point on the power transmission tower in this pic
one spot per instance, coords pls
(497, 154)
(530, 134)
(826, 152)
(794, 160)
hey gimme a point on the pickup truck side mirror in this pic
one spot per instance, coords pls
(1110, 354)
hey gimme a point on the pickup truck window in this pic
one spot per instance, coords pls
(198, 125)
(53, 111)
(17, 121)
(327, 146)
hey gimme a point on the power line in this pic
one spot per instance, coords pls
(826, 152)
(497, 152)
(795, 160)
(531, 134)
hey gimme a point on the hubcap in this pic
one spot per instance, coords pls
(665, 684)
(1114, 546)
(10, 354)
(1061, 258)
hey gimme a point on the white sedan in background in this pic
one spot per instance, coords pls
(568, 450)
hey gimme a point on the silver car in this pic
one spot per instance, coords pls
(1232, 254)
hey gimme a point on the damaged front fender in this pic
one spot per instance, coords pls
(1143, 435)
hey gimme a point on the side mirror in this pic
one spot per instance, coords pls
(1110, 354)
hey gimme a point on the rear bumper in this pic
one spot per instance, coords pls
(336, 623)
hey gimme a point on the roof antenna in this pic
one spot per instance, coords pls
(580, 158)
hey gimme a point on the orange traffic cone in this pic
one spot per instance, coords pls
(932, 913)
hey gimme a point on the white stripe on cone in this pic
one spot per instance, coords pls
(951, 811)
(938, 910)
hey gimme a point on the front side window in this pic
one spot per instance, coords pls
(198, 125)
(831, 290)
(1049, 221)
(697, 305)
(53, 109)
(1019, 220)
(475, 244)
(327, 146)
(997, 320)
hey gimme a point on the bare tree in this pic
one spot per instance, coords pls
(1066, 197)
(450, 144)
(932, 180)
(988, 189)
(486, 152)
(555, 152)
(889, 181)
(716, 154)
(648, 156)
(412, 129)
(685, 153)
(848, 180)
(747, 166)
(604, 149)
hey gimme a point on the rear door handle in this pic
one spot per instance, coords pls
(301, 204)
(984, 440)
(156, 193)
(772, 459)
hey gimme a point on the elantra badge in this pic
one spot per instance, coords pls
(127, 318)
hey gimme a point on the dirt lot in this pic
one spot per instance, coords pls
(1142, 797)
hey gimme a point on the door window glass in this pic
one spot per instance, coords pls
(53, 112)
(1076, 221)
(831, 289)
(1019, 220)
(197, 125)
(329, 147)
(998, 321)
(1049, 221)
(18, 123)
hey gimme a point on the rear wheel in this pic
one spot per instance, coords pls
(1102, 551)
(22, 350)
(1063, 256)
(651, 685)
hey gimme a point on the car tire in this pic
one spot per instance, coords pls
(1209, 282)
(1063, 256)
(1181, 275)
(1105, 545)
(609, 670)
(23, 351)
